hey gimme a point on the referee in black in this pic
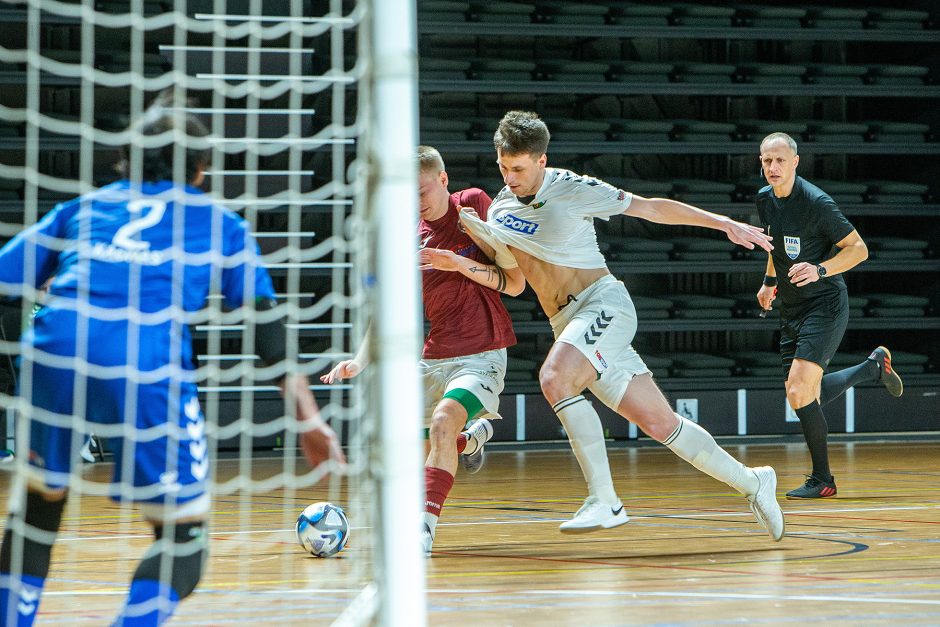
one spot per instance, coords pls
(813, 245)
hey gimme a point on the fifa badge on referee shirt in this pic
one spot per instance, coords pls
(792, 246)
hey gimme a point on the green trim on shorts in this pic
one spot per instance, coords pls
(467, 399)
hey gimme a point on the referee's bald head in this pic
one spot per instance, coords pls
(779, 137)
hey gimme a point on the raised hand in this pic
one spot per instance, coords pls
(748, 236)
(346, 369)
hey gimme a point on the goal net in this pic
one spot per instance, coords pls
(299, 147)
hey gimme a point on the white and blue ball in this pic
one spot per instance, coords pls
(322, 529)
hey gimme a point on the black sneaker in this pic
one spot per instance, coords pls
(814, 488)
(97, 449)
(890, 378)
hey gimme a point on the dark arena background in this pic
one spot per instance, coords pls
(662, 99)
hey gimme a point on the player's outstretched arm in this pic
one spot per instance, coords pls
(668, 211)
(349, 368)
(317, 440)
(508, 281)
(346, 369)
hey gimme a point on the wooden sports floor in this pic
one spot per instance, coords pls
(692, 553)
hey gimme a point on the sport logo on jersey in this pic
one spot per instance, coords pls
(792, 246)
(518, 224)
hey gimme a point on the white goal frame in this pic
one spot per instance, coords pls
(391, 150)
(384, 173)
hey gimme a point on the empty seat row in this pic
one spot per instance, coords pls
(894, 306)
(469, 173)
(456, 127)
(620, 247)
(113, 61)
(742, 305)
(767, 364)
(675, 14)
(685, 364)
(457, 63)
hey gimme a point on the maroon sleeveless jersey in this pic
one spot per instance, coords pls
(466, 317)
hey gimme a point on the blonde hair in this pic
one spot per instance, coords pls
(430, 160)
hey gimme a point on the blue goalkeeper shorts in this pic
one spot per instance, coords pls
(156, 432)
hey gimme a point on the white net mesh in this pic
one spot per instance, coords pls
(281, 86)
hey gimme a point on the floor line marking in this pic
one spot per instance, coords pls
(731, 595)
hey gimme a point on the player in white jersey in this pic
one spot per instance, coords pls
(542, 221)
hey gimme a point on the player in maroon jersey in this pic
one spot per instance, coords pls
(464, 360)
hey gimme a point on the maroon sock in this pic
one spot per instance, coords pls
(437, 485)
(461, 443)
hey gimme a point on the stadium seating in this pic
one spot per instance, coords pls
(681, 117)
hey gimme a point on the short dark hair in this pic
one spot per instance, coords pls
(158, 161)
(521, 132)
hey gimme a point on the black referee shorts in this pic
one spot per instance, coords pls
(814, 334)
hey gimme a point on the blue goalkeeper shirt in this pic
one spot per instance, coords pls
(132, 266)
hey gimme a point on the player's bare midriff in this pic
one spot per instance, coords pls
(554, 284)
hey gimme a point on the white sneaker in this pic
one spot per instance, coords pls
(480, 432)
(427, 540)
(764, 503)
(595, 515)
(86, 453)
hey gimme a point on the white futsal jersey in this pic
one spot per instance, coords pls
(557, 226)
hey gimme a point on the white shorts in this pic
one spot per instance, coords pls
(481, 374)
(601, 323)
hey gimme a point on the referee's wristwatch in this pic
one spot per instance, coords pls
(821, 269)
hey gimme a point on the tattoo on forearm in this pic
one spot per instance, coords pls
(492, 273)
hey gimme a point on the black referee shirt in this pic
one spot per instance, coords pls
(805, 226)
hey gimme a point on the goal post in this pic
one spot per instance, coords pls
(311, 107)
(392, 150)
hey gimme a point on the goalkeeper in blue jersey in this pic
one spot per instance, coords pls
(133, 264)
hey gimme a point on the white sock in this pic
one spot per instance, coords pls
(586, 436)
(697, 446)
(431, 521)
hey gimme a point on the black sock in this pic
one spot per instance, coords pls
(42, 515)
(835, 384)
(816, 432)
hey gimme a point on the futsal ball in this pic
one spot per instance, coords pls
(322, 529)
